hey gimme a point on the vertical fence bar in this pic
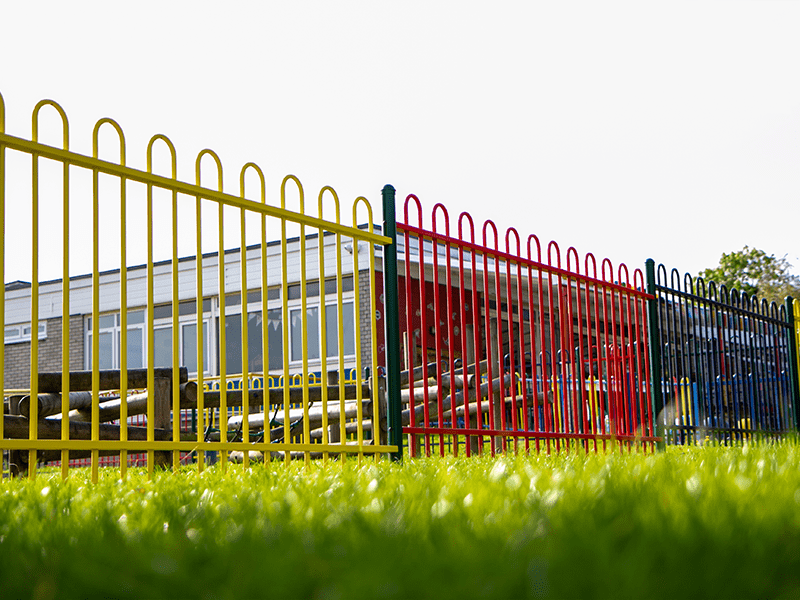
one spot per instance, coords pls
(390, 290)
(654, 346)
(794, 360)
(2, 275)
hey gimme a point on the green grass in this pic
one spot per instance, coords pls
(695, 522)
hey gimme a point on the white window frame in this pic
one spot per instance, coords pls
(22, 333)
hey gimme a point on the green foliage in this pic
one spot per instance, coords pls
(700, 522)
(755, 272)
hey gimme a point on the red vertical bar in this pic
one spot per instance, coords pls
(488, 320)
(511, 349)
(522, 361)
(532, 327)
(577, 371)
(438, 322)
(645, 399)
(463, 323)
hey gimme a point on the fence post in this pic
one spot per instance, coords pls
(794, 381)
(395, 411)
(654, 347)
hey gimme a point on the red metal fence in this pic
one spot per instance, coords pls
(503, 349)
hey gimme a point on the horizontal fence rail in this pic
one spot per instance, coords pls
(279, 317)
(504, 349)
(725, 361)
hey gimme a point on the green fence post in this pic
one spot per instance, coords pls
(794, 380)
(395, 411)
(654, 347)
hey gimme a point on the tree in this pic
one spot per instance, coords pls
(755, 272)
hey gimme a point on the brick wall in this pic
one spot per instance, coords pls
(17, 362)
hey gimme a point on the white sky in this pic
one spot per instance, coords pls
(637, 129)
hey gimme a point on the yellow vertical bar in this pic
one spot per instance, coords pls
(151, 380)
(176, 378)
(223, 347)
(244, 346)
(150, 316)
(264, 322)
(285, 319)
(376, 405)
(34, 404)
(223, 409)
(2, 267)
(65, 329)
(340, 332)
(323, 324)
(304, 329)
(123, 351)
(357, 323)
(373, 326)
(95, 323)
(201, 412)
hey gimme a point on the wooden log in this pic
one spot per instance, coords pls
(16, 427)
(350, 428)
(315, 412)
(55, 455)
(433, 391)
(447, 402)
(418, 372)
(50, 404)
(81, 381)
(161, 416)
(137, 405)
(256, 397)
(334, 429)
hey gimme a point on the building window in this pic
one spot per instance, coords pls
(187, 335)
(311, 342)
(255, 343)
(15, 334)
(110, 337)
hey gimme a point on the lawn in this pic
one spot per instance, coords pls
(693, 522)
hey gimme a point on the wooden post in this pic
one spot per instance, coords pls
(162, 395)
(497, 396)
(382, 425)
(474, 447)
(334, 436)
(15, 458)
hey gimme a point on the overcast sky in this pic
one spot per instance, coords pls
(637, 129)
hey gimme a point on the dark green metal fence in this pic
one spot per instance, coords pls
(723, 367)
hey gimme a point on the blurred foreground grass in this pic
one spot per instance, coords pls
(689, 522)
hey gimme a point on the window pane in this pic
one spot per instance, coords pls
(107, 321)
(163, 311)
(254, 342)
(106, 359)
(135, 317)
(332, 330)
(135, 348)
(311, 340)
(275, 333)
(162, 340)
(233, 342)
(312, 331)
(189, 332)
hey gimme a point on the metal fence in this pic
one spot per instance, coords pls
(254, 340)
(193, 212)
(503, 348)
(725, 363)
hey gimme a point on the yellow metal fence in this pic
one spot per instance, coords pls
(166, 199)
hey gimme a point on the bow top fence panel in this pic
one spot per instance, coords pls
(180, 320)
(723, 370)
(508, 344)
